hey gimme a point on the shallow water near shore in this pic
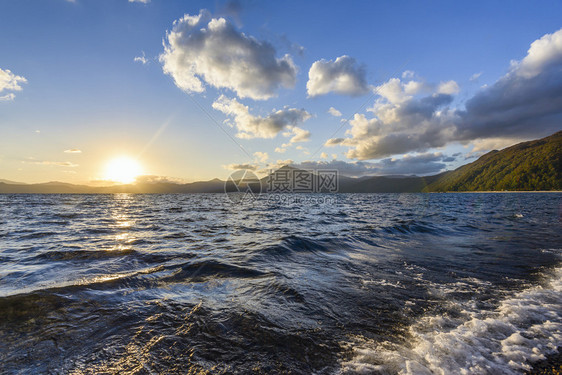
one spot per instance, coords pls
(325, 284)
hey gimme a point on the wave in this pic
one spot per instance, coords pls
(114, 281)
(411, 227)
(59, 255)
(37, 235)
(523, 329)
(209, 269)
(289, 246)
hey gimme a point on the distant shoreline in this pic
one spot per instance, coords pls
(218, 192)
(496, 191)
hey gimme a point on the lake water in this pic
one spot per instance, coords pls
(324, 284)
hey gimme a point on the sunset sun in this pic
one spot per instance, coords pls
(123, 169)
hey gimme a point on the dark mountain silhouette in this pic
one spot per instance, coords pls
(527, 166)
(11, 182)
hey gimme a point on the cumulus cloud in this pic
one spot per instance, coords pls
(408, 74)
(334, 112)
(544, 54)
(449, 88)
(524, 103)
(250, 126)
(10, 82)
(397, 91)
(419, 164)
(298, 134)
(203, 50)
(342, 76)
(400, 124)
(261, 156)
(73, 151)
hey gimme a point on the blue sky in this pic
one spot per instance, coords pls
(80, 87)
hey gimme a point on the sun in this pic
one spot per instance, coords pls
(123, 169)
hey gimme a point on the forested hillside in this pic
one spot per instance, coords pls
(533, 165)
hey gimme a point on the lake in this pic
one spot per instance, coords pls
(304, 283)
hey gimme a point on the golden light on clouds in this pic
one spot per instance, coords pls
(123, 169)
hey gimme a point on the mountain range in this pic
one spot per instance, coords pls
(527, 166)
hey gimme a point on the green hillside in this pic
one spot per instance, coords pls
(527, 166)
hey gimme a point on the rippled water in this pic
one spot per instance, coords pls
(325, 284)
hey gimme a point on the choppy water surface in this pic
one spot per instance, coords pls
(359, 283)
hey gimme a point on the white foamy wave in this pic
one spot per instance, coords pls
(522, 329)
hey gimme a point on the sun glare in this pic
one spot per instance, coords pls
(123, 170)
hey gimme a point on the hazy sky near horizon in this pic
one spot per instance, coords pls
(196, 89)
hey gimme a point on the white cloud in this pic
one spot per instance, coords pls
(543, 54)
(73, 151)
(250, 126)
(261, 156)
(413, 87)
(7, 97)
(142, 59)
(397, 91)
(201, 49)
(524, 103)
(449, 88)
(280, 150)
(324, 155)
(408, 74)
(475, 76)
(298, 134)
(393, 90)
(342, 76)
(10, 82)
(334, 142)
(139, 1)
(401, 123)
(334, 112)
